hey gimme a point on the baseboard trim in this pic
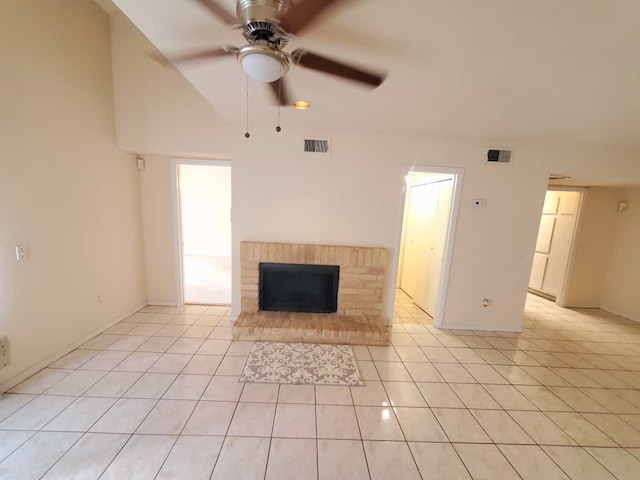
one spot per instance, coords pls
(479, 328)
(16, 379)
(620, 314)
(158, 303)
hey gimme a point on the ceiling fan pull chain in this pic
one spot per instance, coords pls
(247, 134)
(278, 128)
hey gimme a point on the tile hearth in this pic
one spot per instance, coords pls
(157, 397)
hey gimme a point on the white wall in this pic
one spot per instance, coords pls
(353, 196)
(66, 192)
(605, 271)
(157, 110)
(595, 238)
(622, 286)
(157, 225)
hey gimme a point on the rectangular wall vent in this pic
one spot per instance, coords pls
(316, 146)
(499, 156)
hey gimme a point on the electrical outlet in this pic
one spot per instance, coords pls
(5, 359)
(99, 299)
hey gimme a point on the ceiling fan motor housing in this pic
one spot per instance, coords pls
(261, 31)
(259, 19)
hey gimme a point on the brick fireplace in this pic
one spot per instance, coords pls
(358, 318)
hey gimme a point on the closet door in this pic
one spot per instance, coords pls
(440, 227)
(555, 238)
(425, 241)
(417, 249)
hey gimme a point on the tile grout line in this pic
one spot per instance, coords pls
(82, 435)
(315, 412)
(2, 459)
(189, 417)
(226, 433)
(396, 416)
(355, 414)
(273, 424)
(440, 424)
(139, 424)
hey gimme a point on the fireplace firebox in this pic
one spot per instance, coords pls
(291, 287)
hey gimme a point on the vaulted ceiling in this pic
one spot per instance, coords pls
(558, 71)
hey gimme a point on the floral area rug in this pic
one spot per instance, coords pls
(301, 363)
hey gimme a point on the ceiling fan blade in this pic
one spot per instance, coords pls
(225, 51)
(303, 13)
(219, 11)
(280, 92)
(310, 60)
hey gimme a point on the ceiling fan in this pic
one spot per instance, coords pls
(267, 26)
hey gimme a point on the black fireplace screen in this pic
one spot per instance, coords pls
(289, 287)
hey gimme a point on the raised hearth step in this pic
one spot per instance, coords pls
(310, 328)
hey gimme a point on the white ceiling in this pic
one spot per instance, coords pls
(545, 70)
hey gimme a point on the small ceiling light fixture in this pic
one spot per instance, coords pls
(301, 105)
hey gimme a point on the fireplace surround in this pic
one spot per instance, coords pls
(361, 280)
(358, 316)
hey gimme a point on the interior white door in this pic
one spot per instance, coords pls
(422, 204)
(425, 239)
(439, 242)
(555, 239)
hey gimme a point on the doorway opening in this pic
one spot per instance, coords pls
(554, 244)
(430, 209)
(204, 210)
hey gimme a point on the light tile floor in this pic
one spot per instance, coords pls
(157, 396)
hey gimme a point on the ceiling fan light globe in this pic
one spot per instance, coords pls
(262, 68)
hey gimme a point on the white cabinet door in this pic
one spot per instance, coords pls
(537, 271)
(555, 239)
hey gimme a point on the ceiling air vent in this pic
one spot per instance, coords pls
(316, 146)
(499, 156)
(555, 176)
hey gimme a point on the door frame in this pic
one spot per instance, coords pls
(561, 298)
(458, 178)
(177, 218)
